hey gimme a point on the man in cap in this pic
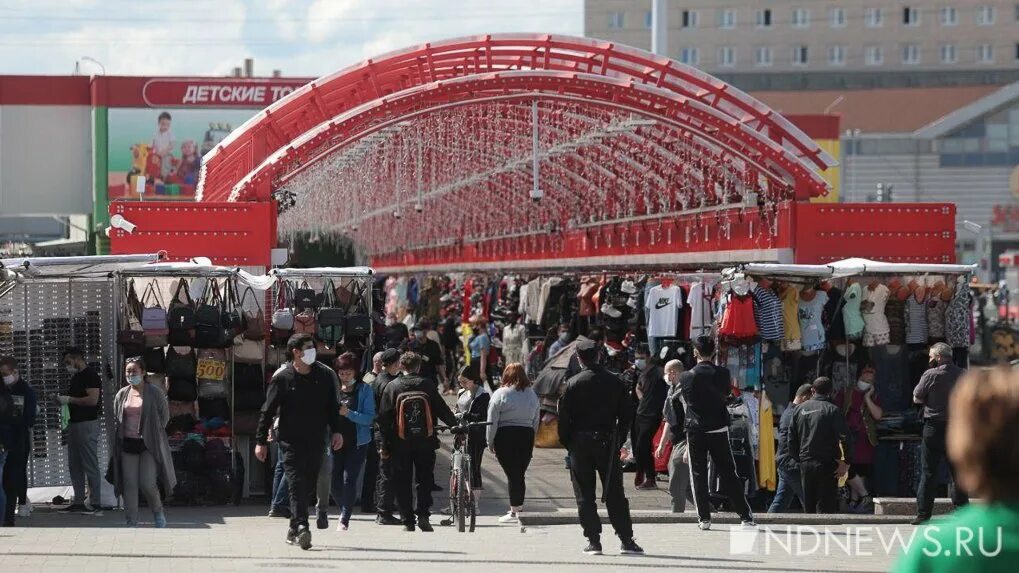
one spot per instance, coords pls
(594, 412)
(385, 495)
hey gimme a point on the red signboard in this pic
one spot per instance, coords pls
(216, 92)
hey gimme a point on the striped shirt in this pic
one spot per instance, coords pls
(916, 321)
(768, 314)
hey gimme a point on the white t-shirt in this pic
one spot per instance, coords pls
(662, 305)
(701, 317)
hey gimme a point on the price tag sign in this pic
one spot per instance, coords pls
(211, 369)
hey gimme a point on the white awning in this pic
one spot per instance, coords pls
(878, 267)
(76, 267)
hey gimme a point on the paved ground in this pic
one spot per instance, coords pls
(242, 538)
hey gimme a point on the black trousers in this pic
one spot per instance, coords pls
(371, 476)
(700, 446)
(301, 466)
(15, 482)
(592, 455)
(514, 447)
(410, 464)
(385, 496)
(643, 448)
(932, 451)
(820, 486)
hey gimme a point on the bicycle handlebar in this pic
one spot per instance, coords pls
(463, 427)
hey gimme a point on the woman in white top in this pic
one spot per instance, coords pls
(514, 413)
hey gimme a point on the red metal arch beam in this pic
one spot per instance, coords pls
(331, 95)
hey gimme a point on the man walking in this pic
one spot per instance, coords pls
(651, 392)
(433, 367)
(704, 389)
(82, 400)
(303, 394)
(817, 442)
(15, 439)
(371, 464)
(789, 483)
(384, 494)
(407, 415)
(594, 412)
(932, 393)
(675, 421)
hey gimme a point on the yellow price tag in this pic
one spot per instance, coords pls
(211, 369)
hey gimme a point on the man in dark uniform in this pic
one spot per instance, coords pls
(594, 412)
(385, 495)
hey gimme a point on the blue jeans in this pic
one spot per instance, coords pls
(280, 491)
(347, 464)
(789, 485)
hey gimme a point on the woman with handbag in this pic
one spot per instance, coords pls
(141, 454)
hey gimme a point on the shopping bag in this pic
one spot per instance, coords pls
(548, 435)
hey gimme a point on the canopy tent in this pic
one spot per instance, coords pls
(848, 268)
(76, 267)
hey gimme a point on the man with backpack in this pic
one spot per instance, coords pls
(303, 393)
(406, 416)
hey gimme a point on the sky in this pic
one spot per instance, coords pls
(302, 38)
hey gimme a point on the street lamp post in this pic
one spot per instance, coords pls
(102, 68)
(852, 136)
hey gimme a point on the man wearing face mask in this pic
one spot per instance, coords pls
(304, 395)
(675, 417)
(432, 366)
(862, 412)
(933, 393)
(82, 400)
(15, 438)
(396, 332)
(651, 392)
(560, 342)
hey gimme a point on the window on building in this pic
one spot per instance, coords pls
(800, 55)
(727, 19)
(910, 54)
(911, 16)
(948, 54)
(690, 56)
(690, 18)
(727, 56)
(985, 16)
(801, 18)
(874, 17)
(985, 53)
(648, 19)
(837, 17)
(762, 55)
(836, 55)
(764, 18)
(615, 20)
(875, 55)
(949, 16)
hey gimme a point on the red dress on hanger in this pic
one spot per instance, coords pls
(738, 321)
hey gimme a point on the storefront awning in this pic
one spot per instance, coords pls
(76, 267)
(848, 268)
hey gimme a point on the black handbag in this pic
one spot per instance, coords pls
(234, 319)
(180, 365)
(155, 360)
(131, 335)
(213, 408)
(209, 330)
(331, 321)
(358, 321)
(180, 317)
(182, 389)
(305, 297)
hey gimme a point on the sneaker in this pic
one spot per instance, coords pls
(304, 538)
(510, 517)
(323, 520)
(159, 519)
(73, 508)
(749, 522)
(25, 510)
(408, 527)
(93, 511)
(630, 547)
(704, 525)
(648, 485)
(919, 520)
(387, 519)
(291, 537)
(593, 548)
(436, 487)
(130, 523)
(279, 512)
(342, 526)
(424, 525)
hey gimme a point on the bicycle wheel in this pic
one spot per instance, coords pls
(473, 507)
(460, 506)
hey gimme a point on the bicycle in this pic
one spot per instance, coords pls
(462, 506)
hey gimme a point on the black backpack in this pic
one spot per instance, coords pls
(414, 416)
(180, 317)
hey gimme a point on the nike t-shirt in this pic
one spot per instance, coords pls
(662, 305)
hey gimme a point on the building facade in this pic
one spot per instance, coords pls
(768, 36)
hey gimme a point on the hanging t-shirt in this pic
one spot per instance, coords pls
(916, 320)
(701, 316)
(768, 314)
(586, 298)
(876, 329)
(738, 320)
(811, 328)
(790, 314)
(851, 311)
(895, 313)
(936, 307)
(662, 305)
(957, 318)
(832, 319)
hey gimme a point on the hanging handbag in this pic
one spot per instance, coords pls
(181, 389)
(304, 322)
(131, 334)
(358, 322)
(155, 360)
(248, 351)
(154, 318)
(282, 317)
(254, 321)
(209, 332)
(180, 363)
(180, 317)
(234, 319)
(212, 373)
(331, 320)
(305, 297)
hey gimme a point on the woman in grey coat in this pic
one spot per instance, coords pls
(142, 456)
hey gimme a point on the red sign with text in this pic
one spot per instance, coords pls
(219, 93)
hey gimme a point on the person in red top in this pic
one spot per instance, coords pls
(862, 411)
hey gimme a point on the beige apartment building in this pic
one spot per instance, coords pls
(781, 36)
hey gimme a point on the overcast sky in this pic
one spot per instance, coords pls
(210, 37)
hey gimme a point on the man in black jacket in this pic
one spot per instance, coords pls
(406, 418)
(385, 497)
(789, 482)
(594, 411)
(651, 391)
(705, 389)
(817, 442)
(303, 394)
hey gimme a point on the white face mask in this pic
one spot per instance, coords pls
(640, 363)
(863, 386)
(10, 380)
(308, 357)
(135, 380)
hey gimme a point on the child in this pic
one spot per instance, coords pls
(163, 143)
(187, 170)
